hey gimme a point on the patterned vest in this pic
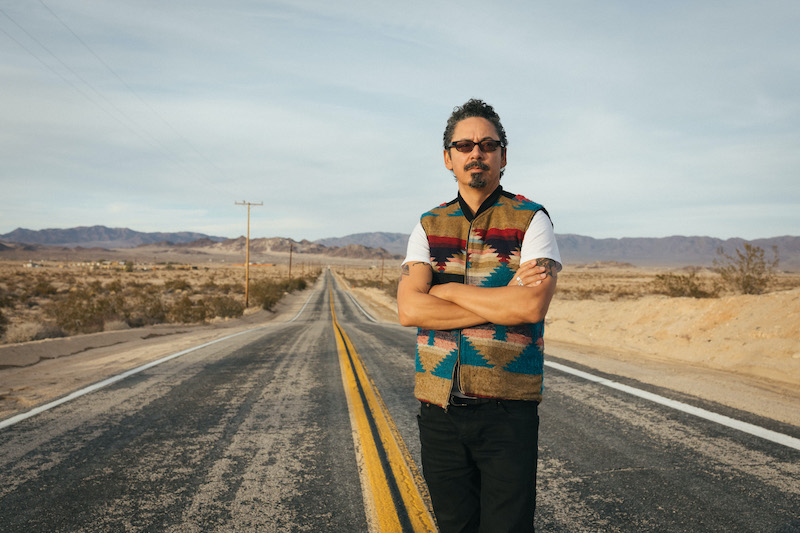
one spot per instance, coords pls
(488, 360)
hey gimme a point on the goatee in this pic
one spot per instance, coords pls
(478, 180)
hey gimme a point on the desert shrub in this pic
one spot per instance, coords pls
(610, 292)
(113, 286)
(32, 331)
(42, 288)
(96, 307)
(575, 293)
(209, 285)
(295, 284)
(267, 293)
(145, 307)
(235, 288)
(390, 287)
(748, 272)
(82, 310)
(71, 304)
(7, 297)
(175, 285)
(223, 306)
(687, 286)
(185, 311)
(620, 293)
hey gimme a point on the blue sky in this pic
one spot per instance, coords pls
(625, 119)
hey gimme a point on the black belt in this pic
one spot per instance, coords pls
(460, 401)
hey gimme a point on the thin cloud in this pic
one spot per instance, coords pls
(624, 119)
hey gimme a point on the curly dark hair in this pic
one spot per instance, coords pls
(473, 108)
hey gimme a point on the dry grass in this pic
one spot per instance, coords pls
(59, 298)
(610, 282)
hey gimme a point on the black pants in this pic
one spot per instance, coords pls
(479, 462)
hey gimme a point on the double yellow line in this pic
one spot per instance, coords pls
(393, 488)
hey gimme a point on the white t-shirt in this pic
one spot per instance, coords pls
(539, 241)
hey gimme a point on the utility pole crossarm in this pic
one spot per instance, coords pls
(247, 254)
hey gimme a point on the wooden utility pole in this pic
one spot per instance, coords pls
(247, 255)
(291, 247)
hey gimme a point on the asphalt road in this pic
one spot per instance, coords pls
(254, 434)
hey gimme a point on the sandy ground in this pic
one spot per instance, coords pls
(739, 351)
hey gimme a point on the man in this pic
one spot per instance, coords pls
(477, 281)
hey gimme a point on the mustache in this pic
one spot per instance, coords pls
(476, 164)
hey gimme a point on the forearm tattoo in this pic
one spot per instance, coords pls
(551, 268)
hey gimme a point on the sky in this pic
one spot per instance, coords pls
(624, 118)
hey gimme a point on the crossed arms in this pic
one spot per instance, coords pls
(455, 305)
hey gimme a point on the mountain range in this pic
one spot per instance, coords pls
(575, 249)
(99, 236)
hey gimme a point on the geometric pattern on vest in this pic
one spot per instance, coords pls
(494, 361)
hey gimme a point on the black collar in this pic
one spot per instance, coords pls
(489, 202)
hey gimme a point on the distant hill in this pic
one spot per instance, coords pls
(670, 251)
(394, 243)
(673, 251)
(284, 245)
(102, 237)
(99, 236)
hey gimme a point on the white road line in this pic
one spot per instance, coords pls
(758, 431)
(300, 312)
(113, 379)
(361, 308)
(352, 298)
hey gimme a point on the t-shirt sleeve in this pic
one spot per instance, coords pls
(418, 248)
(540, 240)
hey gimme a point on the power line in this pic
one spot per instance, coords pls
(42, 61)
(78, 76)
(132, 91)
(121, 116)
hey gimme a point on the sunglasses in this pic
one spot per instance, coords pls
(488, 145)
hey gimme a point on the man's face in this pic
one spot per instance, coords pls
(476, 169)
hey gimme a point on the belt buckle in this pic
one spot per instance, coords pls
(458, 401)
